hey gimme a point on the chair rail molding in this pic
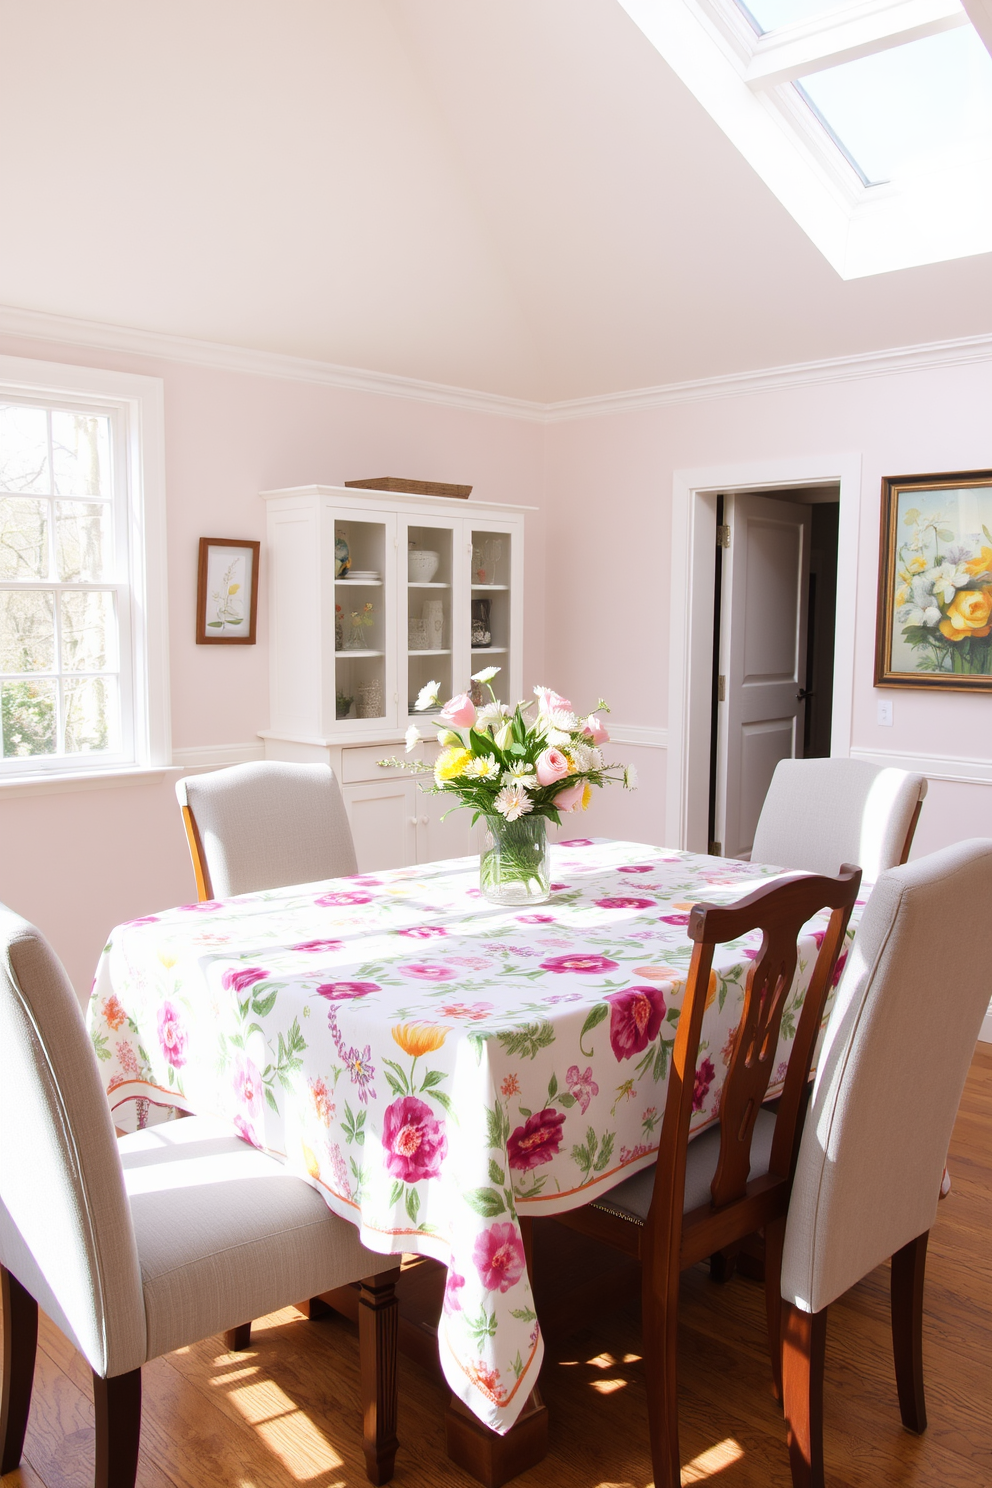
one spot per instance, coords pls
(936, 767)
(211, 756)
(694, 494)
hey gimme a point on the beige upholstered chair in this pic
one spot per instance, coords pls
(900, 1039)
(138, 1247)
(265, 825)
(819, 813)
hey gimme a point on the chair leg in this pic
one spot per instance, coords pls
(238, 1339)
(774, 1243)
(660, 1323)
(804, 1344)
(20, 1345)
(378, 1328)
(908, 1267)
(117, 1403)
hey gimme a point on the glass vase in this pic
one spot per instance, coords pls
(514, 868)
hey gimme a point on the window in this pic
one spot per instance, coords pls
(82, 633)
(871, 120)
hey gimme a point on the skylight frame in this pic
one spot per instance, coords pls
(744, 80)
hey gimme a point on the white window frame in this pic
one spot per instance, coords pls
(743, 81)
(136, 407)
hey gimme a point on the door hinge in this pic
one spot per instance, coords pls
(723, 536)
(715, 849)
(721, 689)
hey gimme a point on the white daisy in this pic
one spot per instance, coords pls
(428, 697)
(520, 773)
(482, 767)
(563, 718)
(580, 755)
(491, 713)
(630, 777)
(513, 802)
(486, 675)
(412, 737)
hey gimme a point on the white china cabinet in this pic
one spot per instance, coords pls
(372, 594)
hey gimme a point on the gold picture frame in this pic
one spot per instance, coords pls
(227, 591)
(934, 621)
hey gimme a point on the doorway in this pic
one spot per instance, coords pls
(774, 619)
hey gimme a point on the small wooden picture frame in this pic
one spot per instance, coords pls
(934, 624)
(227, 592)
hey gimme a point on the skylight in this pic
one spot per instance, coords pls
(908, 109)
(870, 120)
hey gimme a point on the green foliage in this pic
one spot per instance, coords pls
(524, 1043)
(485, 1201)
(27, 715)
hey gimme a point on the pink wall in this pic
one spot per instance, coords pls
(80, 862)
(609, 513)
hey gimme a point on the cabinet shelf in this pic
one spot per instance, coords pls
(358, 654)
(420, 584)
(358, 583)
(489, 650)
(490, 587)
(432, 651)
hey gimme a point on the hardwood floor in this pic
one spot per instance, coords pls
(286, 1412)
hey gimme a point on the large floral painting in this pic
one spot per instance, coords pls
(935, 582)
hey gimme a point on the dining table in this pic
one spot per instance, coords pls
(440, 1067)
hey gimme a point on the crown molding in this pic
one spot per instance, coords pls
(38, 325)
(963, 351)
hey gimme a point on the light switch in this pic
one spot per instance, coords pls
(885, 711)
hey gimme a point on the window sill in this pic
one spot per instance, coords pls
(76, 780)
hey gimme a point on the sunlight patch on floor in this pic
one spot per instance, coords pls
(286, 1430)
(608, 1386)
(714, 1460)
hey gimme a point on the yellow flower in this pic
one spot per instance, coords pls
(968, 614)
(167, 961)
(917, 565)
(233, 588)
(586, 796)
(313, 1166)
(902, 595)
(419, 1038)
(981, 563)
(450, 764)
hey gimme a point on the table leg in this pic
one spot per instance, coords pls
(378, 1315)
(492, 1459)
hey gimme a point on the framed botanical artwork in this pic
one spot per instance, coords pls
(934, 625)
(226, 592)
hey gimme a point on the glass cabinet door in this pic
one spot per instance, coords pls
(362, 620)
(491, 617)
(430, 610)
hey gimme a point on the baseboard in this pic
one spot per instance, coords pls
(203, 756)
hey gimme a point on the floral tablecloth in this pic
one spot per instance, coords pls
(435, 1065)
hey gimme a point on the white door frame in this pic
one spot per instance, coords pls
(694, 494)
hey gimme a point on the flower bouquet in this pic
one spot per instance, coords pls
(517, 767)
(944, 596)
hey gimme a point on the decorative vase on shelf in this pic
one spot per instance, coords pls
(342, 558)
(434, 619)
(514, 866)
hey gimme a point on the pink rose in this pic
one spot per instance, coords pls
(429, 972)
(636, 868)
(549, 701)
(342, 897)
(586, 964)
(413, 1140)
(499, 1257)
(570, 799)
(423, 932)
(459, 711)
(536, 919)
(240, 981)
(248, 1084)
(319, 945)
(624, 901)
(596, 730)
(537, 1141)
(635, 1019)
(341, 991)
(551, 766)
(452, 1287)
(171, 1035)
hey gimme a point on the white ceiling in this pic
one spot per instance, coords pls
(516, 196)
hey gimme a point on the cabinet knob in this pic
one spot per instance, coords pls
(413, 821)
(425, 820)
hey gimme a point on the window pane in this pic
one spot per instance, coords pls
(23, 538)
(27, 630)
(89, 632)
(82, 540)
(81, 452)
(23, 449)
(765, 15)
(27, 715)
(91, 715)
(908, 108)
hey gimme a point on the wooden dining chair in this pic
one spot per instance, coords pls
(704, 1195)
(265, 825)
(819, 813)
(898, 1047)
(138, 1247)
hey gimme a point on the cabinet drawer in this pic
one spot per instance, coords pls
(359, 762)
